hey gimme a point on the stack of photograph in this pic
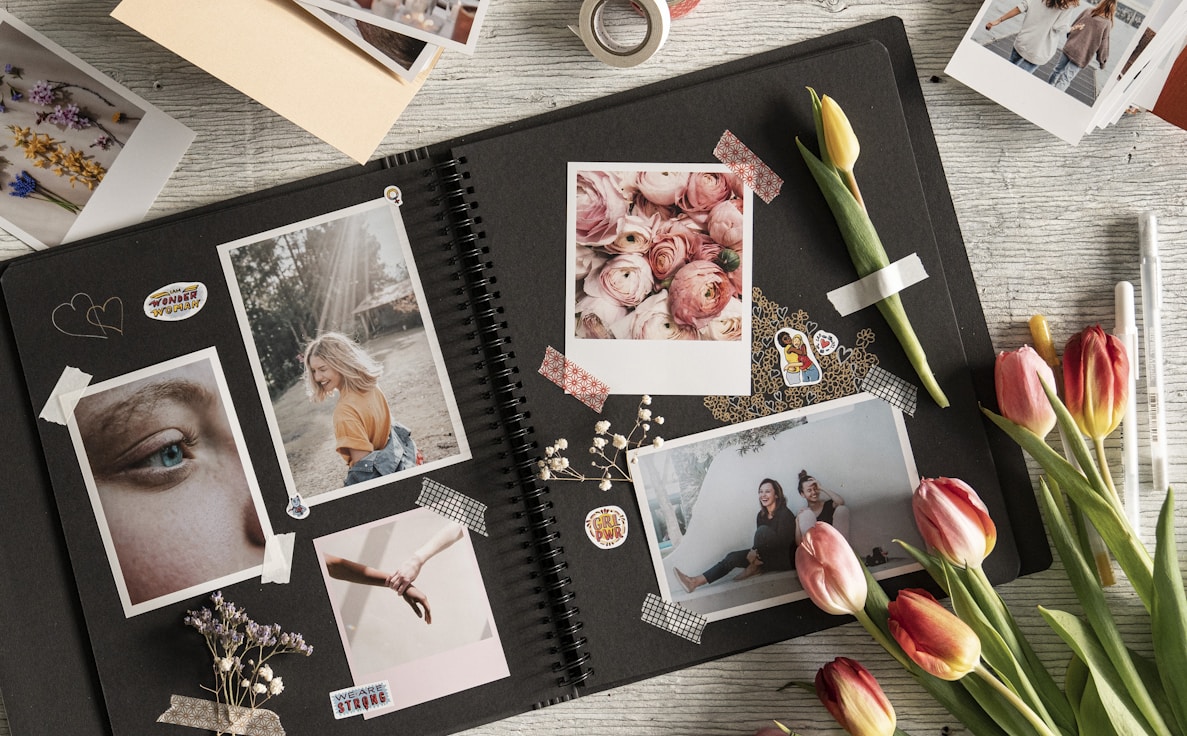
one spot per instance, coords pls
(1072, 66)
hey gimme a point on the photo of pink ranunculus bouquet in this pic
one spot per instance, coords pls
(659, 254)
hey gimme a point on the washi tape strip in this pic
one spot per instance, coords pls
(748, 167)
(221, 718)
(574, 379)
(278, 558)
(891, 389)
(65, 395)
(355, 701)
(453, 505)
(673, 618)
(878, 285)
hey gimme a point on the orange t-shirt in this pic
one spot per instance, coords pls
(362, 421)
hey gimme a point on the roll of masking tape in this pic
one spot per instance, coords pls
(605, 48)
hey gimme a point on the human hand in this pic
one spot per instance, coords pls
(405, 575)
(753, 557)
(418, 600)
(990, 25)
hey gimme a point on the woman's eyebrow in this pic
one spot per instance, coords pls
(181, 391)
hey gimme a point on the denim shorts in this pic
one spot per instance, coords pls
(398, 454)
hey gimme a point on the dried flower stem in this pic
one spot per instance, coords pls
(555, 466)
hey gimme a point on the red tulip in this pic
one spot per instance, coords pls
(932, 636)
(854, 698)
(1020, 395)
(953, 521)
(1096, 381)
(830, 572)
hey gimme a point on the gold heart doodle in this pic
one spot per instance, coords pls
(81, 317)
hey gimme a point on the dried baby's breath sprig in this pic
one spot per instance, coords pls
(555, 466)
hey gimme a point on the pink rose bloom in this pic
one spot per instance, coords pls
(625, 279)
(633, 234)
(705, 190)
(725, 224)
(596, 315)
(704, 250)
(670, 249)
(600, 205)
(727, 325)
(640, 205)
(651, 320)
(662, 187)
(699, 292)
(588, 260)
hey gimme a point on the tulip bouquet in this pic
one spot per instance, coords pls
(975, 660)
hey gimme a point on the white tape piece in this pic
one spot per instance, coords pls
(278, 558)
(67, 391)
(878, 285)
(592, 30)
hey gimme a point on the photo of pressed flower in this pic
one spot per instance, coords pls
(659, 253)
(63, 126)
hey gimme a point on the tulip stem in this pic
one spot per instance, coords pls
(887, 643)
(1099, 443)
(1012, 698)
(851, 183)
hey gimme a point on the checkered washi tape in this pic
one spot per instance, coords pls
(574, 379)
(673, 618)
(453, 505)
(748, 167)
(891, 389)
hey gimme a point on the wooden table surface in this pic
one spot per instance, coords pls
(1049, 228)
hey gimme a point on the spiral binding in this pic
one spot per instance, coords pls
(461, 230)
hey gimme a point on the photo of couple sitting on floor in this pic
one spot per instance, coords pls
(729, 507)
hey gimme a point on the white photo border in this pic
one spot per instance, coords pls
(133, 609)
(469, 665)
(468, 47)
(834, 406)
(463, 454)
(662, 367)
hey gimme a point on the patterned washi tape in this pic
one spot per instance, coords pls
(673, 618)
(891, 389)
(574, 379)
(453, 505)
(748, 167)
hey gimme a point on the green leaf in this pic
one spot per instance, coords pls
(930, 563)
(1170, 614)
(821, 145)
(1076, 680)
(1113, 528)
(997, 707)
(1002, 619)
(1096, 609)
(994, 650)
(1119, 708)
(1092, 713)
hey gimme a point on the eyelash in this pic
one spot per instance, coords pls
(148, 468)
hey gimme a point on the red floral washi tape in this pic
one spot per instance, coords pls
(748, 167)
(574, 379)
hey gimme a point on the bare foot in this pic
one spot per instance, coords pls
(690, 584)
(754, 568)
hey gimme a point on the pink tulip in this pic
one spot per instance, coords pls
(1020, 395)
(854, 698)
(830, 572)
(932, 636)
(953, 521)
(1096, 381)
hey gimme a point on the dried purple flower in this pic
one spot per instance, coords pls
(15, 94)
(102, 142)
(69, 117)
(42, 93)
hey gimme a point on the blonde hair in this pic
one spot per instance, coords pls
(360, 372)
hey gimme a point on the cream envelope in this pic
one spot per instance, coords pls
(264, 67)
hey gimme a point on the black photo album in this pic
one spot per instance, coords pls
(476, 420)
